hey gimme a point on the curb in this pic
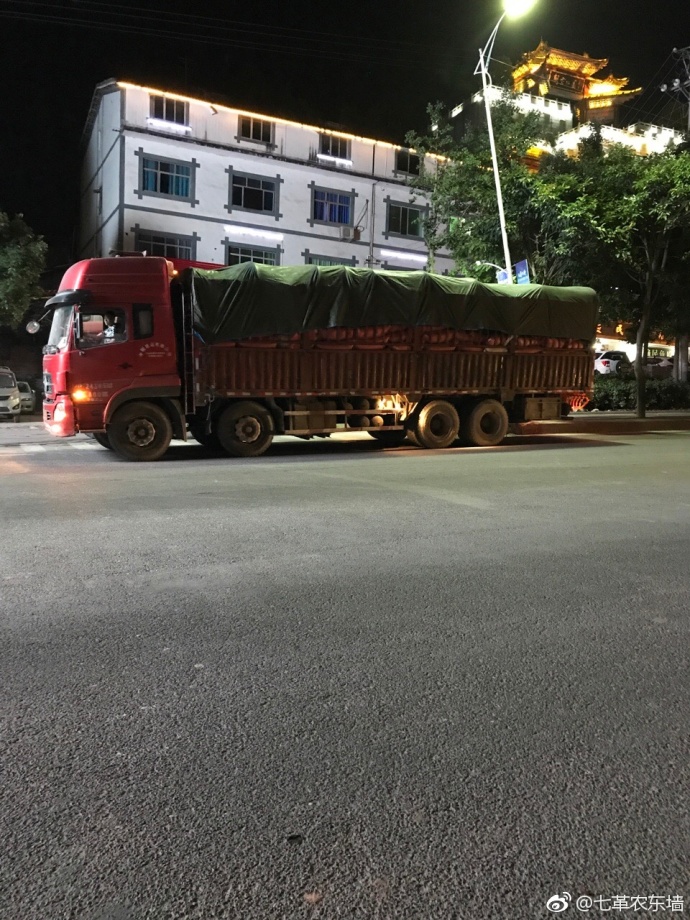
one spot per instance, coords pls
(604, 425)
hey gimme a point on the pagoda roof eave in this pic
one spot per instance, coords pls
(569, 60)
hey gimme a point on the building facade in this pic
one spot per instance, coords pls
(179, 177)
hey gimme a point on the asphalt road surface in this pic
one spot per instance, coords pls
(340, 682)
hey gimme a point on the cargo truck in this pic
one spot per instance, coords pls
(139, 354)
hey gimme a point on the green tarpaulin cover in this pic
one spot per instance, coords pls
(251, 300)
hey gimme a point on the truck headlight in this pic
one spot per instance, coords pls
(60, 412)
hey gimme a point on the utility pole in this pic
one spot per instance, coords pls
(681, 87)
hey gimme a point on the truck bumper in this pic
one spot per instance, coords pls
(58, 417)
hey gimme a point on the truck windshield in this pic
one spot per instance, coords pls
(59, 330)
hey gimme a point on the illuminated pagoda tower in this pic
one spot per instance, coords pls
(568, 77)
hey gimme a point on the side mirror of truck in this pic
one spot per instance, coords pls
(33, 327)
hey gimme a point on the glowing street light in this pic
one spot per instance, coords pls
(512, 9)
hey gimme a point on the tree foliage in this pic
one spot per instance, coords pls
(606, 218)
(22, 260)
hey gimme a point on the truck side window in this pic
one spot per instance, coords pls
(142, 317)
(103, 328)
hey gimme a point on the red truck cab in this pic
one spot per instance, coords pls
(112, 341)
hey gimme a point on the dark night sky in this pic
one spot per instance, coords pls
(371, 67)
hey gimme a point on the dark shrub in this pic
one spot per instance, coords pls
(614, 393)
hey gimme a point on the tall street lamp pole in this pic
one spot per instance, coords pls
(511, 8)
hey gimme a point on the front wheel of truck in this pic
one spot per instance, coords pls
(245, 429)
(100, 437)
(140, 431)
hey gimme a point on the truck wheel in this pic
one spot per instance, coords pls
(486, 425)
(102, 438)
(389, 438)
(245, 429)
(140, 431)
(437, 425)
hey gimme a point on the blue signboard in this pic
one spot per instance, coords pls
(502, 276)
(522, 272)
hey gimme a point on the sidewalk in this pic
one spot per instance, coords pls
(614, 422)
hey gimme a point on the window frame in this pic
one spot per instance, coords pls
(138, 310)
(85, 341)
(351, 194)
(274, 180)
(250, 248)
(166, 101)
(180, 239)
(400, 170)
(404, 206)
(252, 120)
(327, 140)
(328, 261)
(192, 165)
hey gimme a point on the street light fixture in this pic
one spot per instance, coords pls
(512, 9)
(501, 273)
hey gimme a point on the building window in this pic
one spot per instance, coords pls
(407, 162)
(169, 178)
(404, 220)
(253, 193)
(329, 207)
(256, 129)
(313, 259)
(168, 245)
(166, 109)
(238, 254)
(331, 145)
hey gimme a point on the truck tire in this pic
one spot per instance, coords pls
(245, 429)
(486, 424)
(140, 431)
(102, 438)
(393, 438)
(437, 425)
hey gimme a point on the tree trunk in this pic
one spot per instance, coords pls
(680, 365)
(641, 343)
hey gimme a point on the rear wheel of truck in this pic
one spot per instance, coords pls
(486, 425)
(102, 438)
(245, 429)
(437, 425)
(389, 438)
(140, 431)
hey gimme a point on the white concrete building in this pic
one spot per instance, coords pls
(557, 114)
(180, 177)
(643, 139)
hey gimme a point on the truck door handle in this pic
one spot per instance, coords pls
(124, 365)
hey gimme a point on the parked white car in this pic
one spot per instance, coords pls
(28, 396)
(10, 397)
(613, 362)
